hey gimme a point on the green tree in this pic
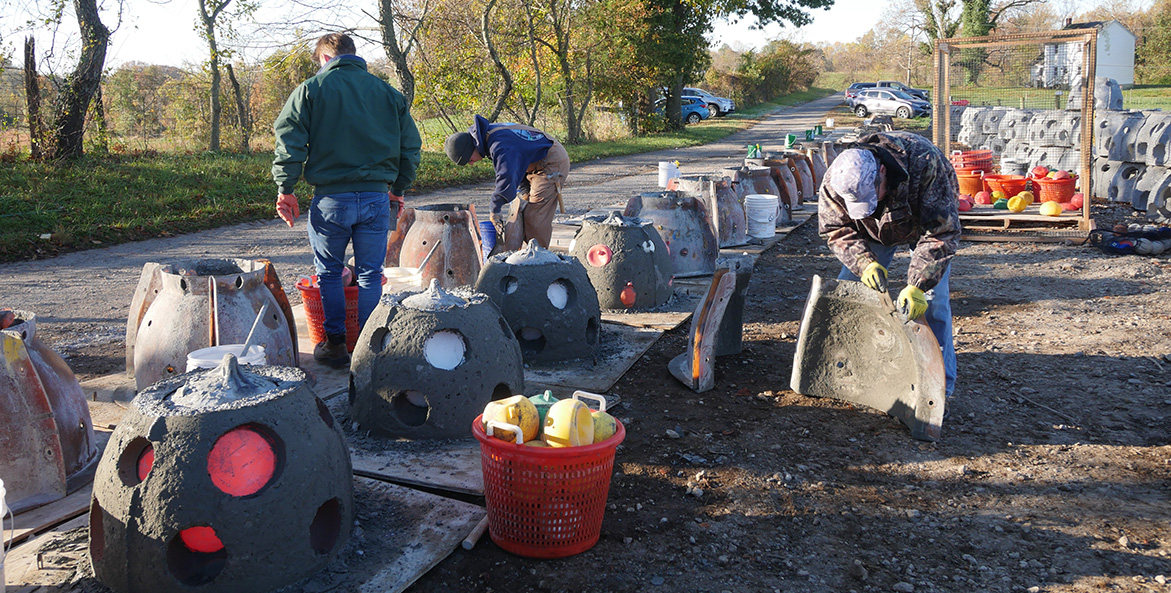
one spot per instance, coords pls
(1153, 54)
(215, 22)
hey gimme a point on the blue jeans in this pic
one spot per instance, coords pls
(334, 221)
(938, 314)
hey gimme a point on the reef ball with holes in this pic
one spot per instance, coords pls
(627, 261)
(428, 362)
(547, 300)
(232, 479)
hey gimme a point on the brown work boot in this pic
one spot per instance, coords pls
(332, 352)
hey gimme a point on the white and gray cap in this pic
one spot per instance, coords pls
(852, 176)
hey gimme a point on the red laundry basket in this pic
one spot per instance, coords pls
(315, 314)
(545, 502)
(1055, 190)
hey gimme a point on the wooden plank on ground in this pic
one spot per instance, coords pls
(118, 387)
(405, 534)
(328, 382)
(447, 465)
(34, 521)
(622, 346)
(107, 415)
(61, 551)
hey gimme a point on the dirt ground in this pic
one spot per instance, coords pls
(1052, 474)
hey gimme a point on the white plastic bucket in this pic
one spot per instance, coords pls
(829, 122)
(761, 210)
(210, 358)
(667, 172)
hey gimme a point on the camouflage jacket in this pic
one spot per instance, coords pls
(920, 210)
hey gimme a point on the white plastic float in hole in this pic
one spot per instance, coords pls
(445, 349)
(558, 294)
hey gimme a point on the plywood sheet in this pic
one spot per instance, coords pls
(622, 345)
(41, 518)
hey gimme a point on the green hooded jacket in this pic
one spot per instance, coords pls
(346, 130)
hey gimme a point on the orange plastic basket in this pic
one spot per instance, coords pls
(1055, 190)
(315, 313)
(544, 502)
(970, 183)
(968, 159)
(1010, 185)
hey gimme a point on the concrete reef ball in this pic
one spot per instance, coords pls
(547, 300)
(627, 261)
(428, 362)
(225, 480)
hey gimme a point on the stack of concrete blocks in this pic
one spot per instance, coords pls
(1131, 161)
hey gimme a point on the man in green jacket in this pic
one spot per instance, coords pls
(352, 137)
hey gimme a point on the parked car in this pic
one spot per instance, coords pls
(878, 101)
(717, 105)
(898, 86)
(853, 89)
(694, 109)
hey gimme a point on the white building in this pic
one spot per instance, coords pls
(1062, 62)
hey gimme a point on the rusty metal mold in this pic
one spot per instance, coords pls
(720, 199)
(46, 435)
(547, 300)
(729, 337)
(685, 227)
(696, 368)
(228, 480)
(184, 306)
(428, 362)
(627, 261)
(448, 233)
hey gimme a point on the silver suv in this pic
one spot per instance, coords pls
(717, 105)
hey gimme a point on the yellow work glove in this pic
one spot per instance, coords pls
(912, 303)
(874, 276)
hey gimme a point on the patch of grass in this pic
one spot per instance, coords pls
(104, 200)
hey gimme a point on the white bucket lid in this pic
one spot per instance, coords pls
(212, 356)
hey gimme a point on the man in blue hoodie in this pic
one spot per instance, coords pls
(352, 137)
(528, 162)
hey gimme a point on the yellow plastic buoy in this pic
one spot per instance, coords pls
(1028, 196)
(568, 423)
(604, 426)
(1017, 204)
(516, 410)
(1051, 209)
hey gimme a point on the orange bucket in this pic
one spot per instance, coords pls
(970, 182)
(1055, 190)
(1009, 185)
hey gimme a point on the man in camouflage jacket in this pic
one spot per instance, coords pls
(891, 189)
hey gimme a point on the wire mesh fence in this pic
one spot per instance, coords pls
(1013, 112)
(1036, 106)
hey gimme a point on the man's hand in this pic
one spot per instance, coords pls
(394, 198)
(874, 276)
(497, 219)
(287, 208)
(912, 303)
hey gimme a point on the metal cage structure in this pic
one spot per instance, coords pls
(1028, 100)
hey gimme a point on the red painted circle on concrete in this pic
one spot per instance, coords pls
(146, 460)
(599, 255)
(241, 462)
(201, 539)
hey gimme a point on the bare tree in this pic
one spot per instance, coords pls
(505, 75)
(32, 94)
(209, 11)
(244, 116)
(390, 18)
(82, 84)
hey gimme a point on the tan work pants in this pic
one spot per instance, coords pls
(538, 206)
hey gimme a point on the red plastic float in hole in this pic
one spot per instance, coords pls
(146, 460)
(599, 255)
(241, 462)
(201, 539)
